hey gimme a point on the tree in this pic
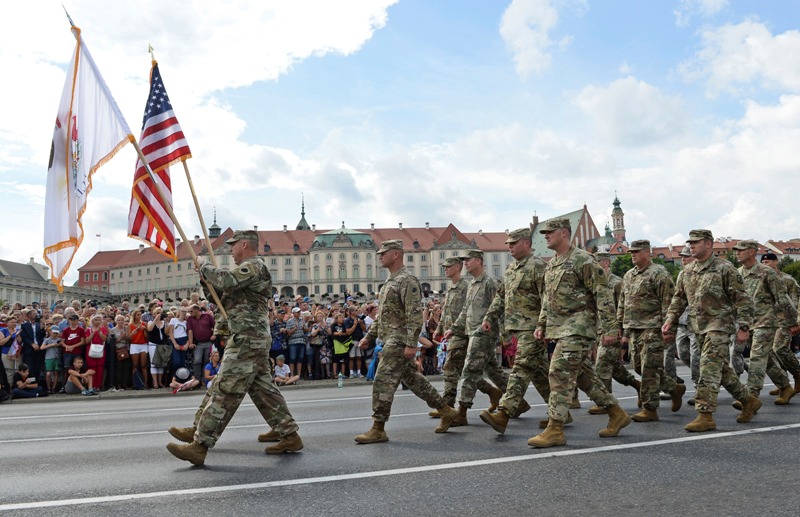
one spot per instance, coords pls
(671, 267)
(621, 265)
(785, 262)
(793, 269)
(731, 256)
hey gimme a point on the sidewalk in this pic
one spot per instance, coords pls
(131, 394)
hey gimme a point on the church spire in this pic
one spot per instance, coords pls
(302, 225)
(618, 220)
(214, 230)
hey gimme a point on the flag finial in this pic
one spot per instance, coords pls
(150, 49)
(68, 16)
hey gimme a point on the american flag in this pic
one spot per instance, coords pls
(163, 144)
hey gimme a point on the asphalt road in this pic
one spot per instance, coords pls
(107, 456)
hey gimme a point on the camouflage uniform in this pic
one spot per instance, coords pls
(518, 300)
(686, 342)
(245, 368)
(576, 296)
(646, 295)
(457, 344)
(398, 325)
(782, 345)
(714, 293)
(769, 299)
(608, 365)
(481, 355)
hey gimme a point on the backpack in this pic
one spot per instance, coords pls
(138, 381)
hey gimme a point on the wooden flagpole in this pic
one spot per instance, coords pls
(200, 215)
(175, 221)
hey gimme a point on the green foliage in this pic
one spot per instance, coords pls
(785, 262)
(731, 256)
(793, 269)
(621, 265)
(672, 269)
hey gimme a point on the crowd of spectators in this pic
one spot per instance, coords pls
(83, 348)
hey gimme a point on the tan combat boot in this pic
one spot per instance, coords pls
(777, 391)
(376, 434)
(597, 410)
(784, 396)
(271, 436)
(617, 419)
(523, 407)
(544, 423)
(449, 417)
(749, 409)
(194, 453)
(637, 385)
(703, 422)
(497, 421)
(289, 443)
(677, 396)
(184, 434)
(552, 436)
(434, 414)
(737, 405)
(575, 404)
(495, 394)
(461, 417)
(646, 415)
(796, 384)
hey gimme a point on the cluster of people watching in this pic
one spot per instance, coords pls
(80, 348)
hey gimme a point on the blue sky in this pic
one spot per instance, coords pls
(478, 113)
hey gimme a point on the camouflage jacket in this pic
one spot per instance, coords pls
(480, 294)
(769, 297)
(615, 283)
(714, 292)
(220, 323)
(646, 295)
(577, 296)
(519, 296)
(244, 292)
(399, 318)
(453, 303)
(793, 290)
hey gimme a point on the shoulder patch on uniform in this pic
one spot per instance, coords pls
(414, 289)
(244, 269)
(601, 271)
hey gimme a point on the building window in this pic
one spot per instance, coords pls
(225, 260)
(409, 258)
(303, 275)
(169, 283)
(423, 272)
(495, 257)
(496, 271)
(139, 272)
(411, 270)
(287, 276)
(86, 277)
(423, 258)
(273, 261)
(169, 268)
(287, 261)
(179, 266)
(158, 269)
(355, 256)
(369, 288)
(105, 275)
(158, 283)
(328, 272)
(342, 288)
(356, 289)
(356, 272)
(441, 255)
(453, 253)
(274, 274)
(369, 271)
(302, 261)
(442, 287)
(342, 257)
(329, 289)
(316, 258)
(316, 289)
(342, 273)
(316, 272)
(112, 276)
(328, 256)
(369, 257)
(148, 272)
(95, 277)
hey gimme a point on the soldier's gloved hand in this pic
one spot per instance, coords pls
(363, 344)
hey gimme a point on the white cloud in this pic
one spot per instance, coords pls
(631, 112)
(735, 57)
(687, 9)
(526, 27)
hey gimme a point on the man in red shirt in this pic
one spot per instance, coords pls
(200, 328)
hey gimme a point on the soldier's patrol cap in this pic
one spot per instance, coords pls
(747, 244)
(602, 255)
(246, 235)
(518, 234)
(450, 261)
(478, 254)
(394, 244)
(642, 244)
(552, 225)
(700, 235)
(686, 252)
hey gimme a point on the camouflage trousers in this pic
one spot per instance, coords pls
(243, 370)
(393, 369)
(715, 370)
(648, 347)
(453, 367)
(481, 360)
(670, 366)
(764, 361)
(737, 355)
(609, 366)
(783, 351)
(688, 350)
(571, 365)
(530, 364)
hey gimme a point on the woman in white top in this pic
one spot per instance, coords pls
(179, 337)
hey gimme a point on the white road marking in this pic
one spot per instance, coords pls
(390, 472)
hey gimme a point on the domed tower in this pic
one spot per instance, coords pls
(303, 225)
(618, 220)
(214, 229)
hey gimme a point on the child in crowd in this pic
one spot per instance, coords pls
(26, 387)
(212, 368)
(341, 345)
(52, 360)
(283, 374)
(80, 378)
(183, 381)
